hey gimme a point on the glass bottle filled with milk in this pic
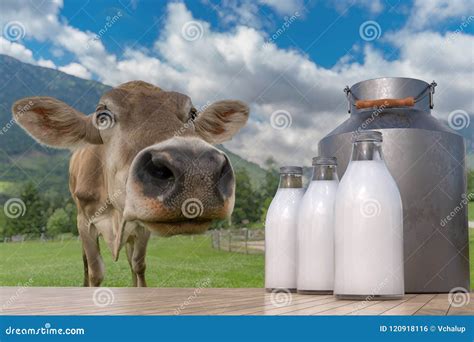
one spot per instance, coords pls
(369, 226)
(315, 270)
(281, 229)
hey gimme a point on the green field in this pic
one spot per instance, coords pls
(179, 261)
(470, 211)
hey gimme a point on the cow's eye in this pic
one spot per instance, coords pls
(193, 113)
(104, 119)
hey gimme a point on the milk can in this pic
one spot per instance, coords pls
(427, 160)
(368, 226)
(281, 229)
(315, 270)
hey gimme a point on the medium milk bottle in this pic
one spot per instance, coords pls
(315, 270)
(280, 231)
(369, 226)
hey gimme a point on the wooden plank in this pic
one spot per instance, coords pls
(226, 305)
(152, 305)
(202, 306)
(271, 308)
(380, 307)
(347, 309)
(410, 306)
(438, 305)
(462, 306)
(211, 301)
(328, 305)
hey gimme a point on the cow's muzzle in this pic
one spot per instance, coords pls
(180, 186)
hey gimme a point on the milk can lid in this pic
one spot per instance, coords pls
(297, 170)
(324, 161)
(367, 136)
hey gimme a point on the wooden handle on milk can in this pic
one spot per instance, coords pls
(387, 103)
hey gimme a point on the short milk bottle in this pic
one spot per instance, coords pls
(369, 226)
(315, 270)
(280, 231)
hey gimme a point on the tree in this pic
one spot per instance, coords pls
(71, 211)
(26, 214)
(58, 223)
(246, 200)
(269, 187)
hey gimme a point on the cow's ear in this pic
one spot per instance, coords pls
(221, 120)
(54, 123)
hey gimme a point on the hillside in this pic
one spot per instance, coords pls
(21, 158)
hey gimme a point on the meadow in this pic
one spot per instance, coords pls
(179, 261)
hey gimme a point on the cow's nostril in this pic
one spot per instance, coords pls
(225, 170)
(156, 175)
(160, 171)
(157, 169)
(226, 179)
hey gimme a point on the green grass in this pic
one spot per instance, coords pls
(179, 261)
(470, 211)
(7, 187)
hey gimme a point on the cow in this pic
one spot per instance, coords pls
(143, 162)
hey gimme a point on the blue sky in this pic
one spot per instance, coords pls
(280, 56)
(319, 24)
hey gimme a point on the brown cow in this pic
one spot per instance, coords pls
(142, 162)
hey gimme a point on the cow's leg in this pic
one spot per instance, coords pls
(90, 244)
(129, 248)
(139, 253)
(86, 268)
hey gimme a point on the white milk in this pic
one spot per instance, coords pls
(316, 237)
(368, 232)
(280, 239)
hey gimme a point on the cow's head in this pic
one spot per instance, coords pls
(159, 165)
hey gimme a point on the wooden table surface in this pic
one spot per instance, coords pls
(212, 301)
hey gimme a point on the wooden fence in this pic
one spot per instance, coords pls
(240, 240)
(243, 240)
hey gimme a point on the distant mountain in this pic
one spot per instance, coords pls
(21, 80)
(21, 158)
(256, 173)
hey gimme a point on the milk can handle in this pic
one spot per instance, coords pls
(387, 103)
(390, 103)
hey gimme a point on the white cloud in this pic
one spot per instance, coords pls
(16, 50)
(232, 12)
(39, 18)
(22, 53)
(76, 69)
(374, 6)
(255, 14)
(284, 7)
(46, 63)
(429, 13)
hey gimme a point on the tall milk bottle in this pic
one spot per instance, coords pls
(369, 226)
(280, 231)
(315, 271)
